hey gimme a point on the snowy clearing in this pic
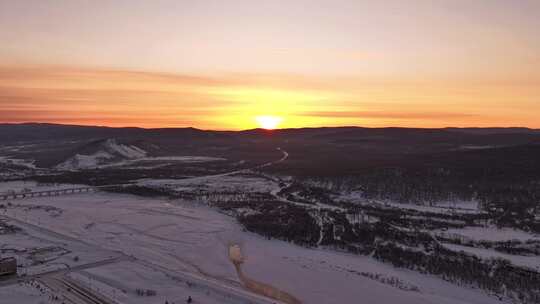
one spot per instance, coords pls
(493, 234)
(184, 236)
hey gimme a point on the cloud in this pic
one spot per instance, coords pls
(386, 114)
(231, 101)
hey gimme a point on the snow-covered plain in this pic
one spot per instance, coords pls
(17, 162)
(20, 186)
(456, 206)
(492, 234)
(110, 151)
(232, 183)
(120, 282)
(113, 154)
(23, 294)
(184, 236)
(525, 261)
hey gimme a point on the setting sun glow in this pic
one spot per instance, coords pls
(237, 65)
(268, 122)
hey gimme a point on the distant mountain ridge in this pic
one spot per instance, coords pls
(10, 133)
(71, 146)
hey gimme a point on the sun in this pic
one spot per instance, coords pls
(268, 122)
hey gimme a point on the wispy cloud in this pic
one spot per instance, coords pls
(232, 101)
(387, 114)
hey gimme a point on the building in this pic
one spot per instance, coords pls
(8, 266)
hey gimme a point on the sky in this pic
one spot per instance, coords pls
(225, 64)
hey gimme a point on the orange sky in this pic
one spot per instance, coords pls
(219, 65)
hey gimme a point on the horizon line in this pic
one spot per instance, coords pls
(254, 129)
